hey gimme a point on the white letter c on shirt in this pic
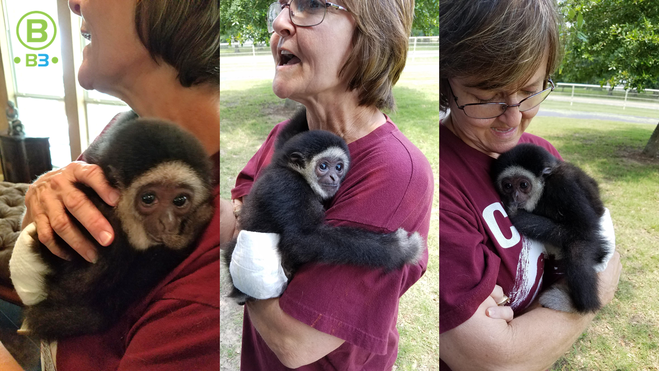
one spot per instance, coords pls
(488, 216)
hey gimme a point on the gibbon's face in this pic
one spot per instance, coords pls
(516, 190)
(495, 135)
(308, 59)
(329, 174)
(115, 53)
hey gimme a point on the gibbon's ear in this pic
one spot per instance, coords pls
(297, 159)
(546, 171)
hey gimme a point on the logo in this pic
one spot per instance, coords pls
(36, 30)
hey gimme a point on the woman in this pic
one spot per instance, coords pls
(340, 61)
(168, 70)
(495, 52)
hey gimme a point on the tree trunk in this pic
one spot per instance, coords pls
(652, 148)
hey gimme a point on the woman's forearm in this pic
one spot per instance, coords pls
(295, 343)
(532, 341)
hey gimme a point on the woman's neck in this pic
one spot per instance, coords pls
(346, 119)
(196, 109)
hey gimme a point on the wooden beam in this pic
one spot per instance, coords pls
(74, 98)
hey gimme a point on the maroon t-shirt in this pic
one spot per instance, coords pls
(479, 247)
(389, 186)
(175, 327)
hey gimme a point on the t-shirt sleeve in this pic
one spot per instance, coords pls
(468, 269)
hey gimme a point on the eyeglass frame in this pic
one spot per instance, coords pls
(505, 106)
(290, 17)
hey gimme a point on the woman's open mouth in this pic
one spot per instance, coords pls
(287, 58)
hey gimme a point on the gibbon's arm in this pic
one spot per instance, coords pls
(531, 341)
(295, 343)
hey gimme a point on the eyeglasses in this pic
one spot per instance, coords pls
(303, 13)
(492, 110)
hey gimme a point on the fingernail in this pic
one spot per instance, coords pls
(105, 238)
(91, 256)
(114, 197)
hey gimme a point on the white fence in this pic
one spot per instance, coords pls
(649, 98)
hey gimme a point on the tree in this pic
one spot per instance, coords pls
(611, 41)
(242, 20)
(614, 42)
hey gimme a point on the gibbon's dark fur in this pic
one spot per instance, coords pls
(282, 201)
(566, 216)
(85, 298)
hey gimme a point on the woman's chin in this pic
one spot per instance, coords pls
(280, 89)
(85, 80)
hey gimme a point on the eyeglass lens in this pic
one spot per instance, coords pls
(303, 13)
(490, 110)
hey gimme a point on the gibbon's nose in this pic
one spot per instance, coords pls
(169, 222)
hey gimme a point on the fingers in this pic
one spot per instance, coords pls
(501, 311)
(504, 313)
(93, 176)
(49, 198)
(609, 279)
(499, 297)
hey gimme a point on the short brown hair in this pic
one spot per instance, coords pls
(379, 49)
(183, 33)
(503, 42)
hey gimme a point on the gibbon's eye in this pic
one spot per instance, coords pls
(180, 200)
(507, 186)
(148, 198)
(339, 167)
(323, 166)
(524, 185)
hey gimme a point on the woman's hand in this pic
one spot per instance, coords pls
(53, 193)
(229, 226)
(499, 312)
(609, 278)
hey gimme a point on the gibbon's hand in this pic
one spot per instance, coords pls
(53, 193)
(256, 265)
(503, 311)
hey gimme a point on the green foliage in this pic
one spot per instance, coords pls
(426, 18)
(242, 20)
(611, 41)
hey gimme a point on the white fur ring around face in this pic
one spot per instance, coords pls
(256, 265)
(26, 268)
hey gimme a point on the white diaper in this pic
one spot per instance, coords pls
(26, 268)
(256, 265)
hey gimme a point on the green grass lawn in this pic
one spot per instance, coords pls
(625, 334)
(249, 110)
